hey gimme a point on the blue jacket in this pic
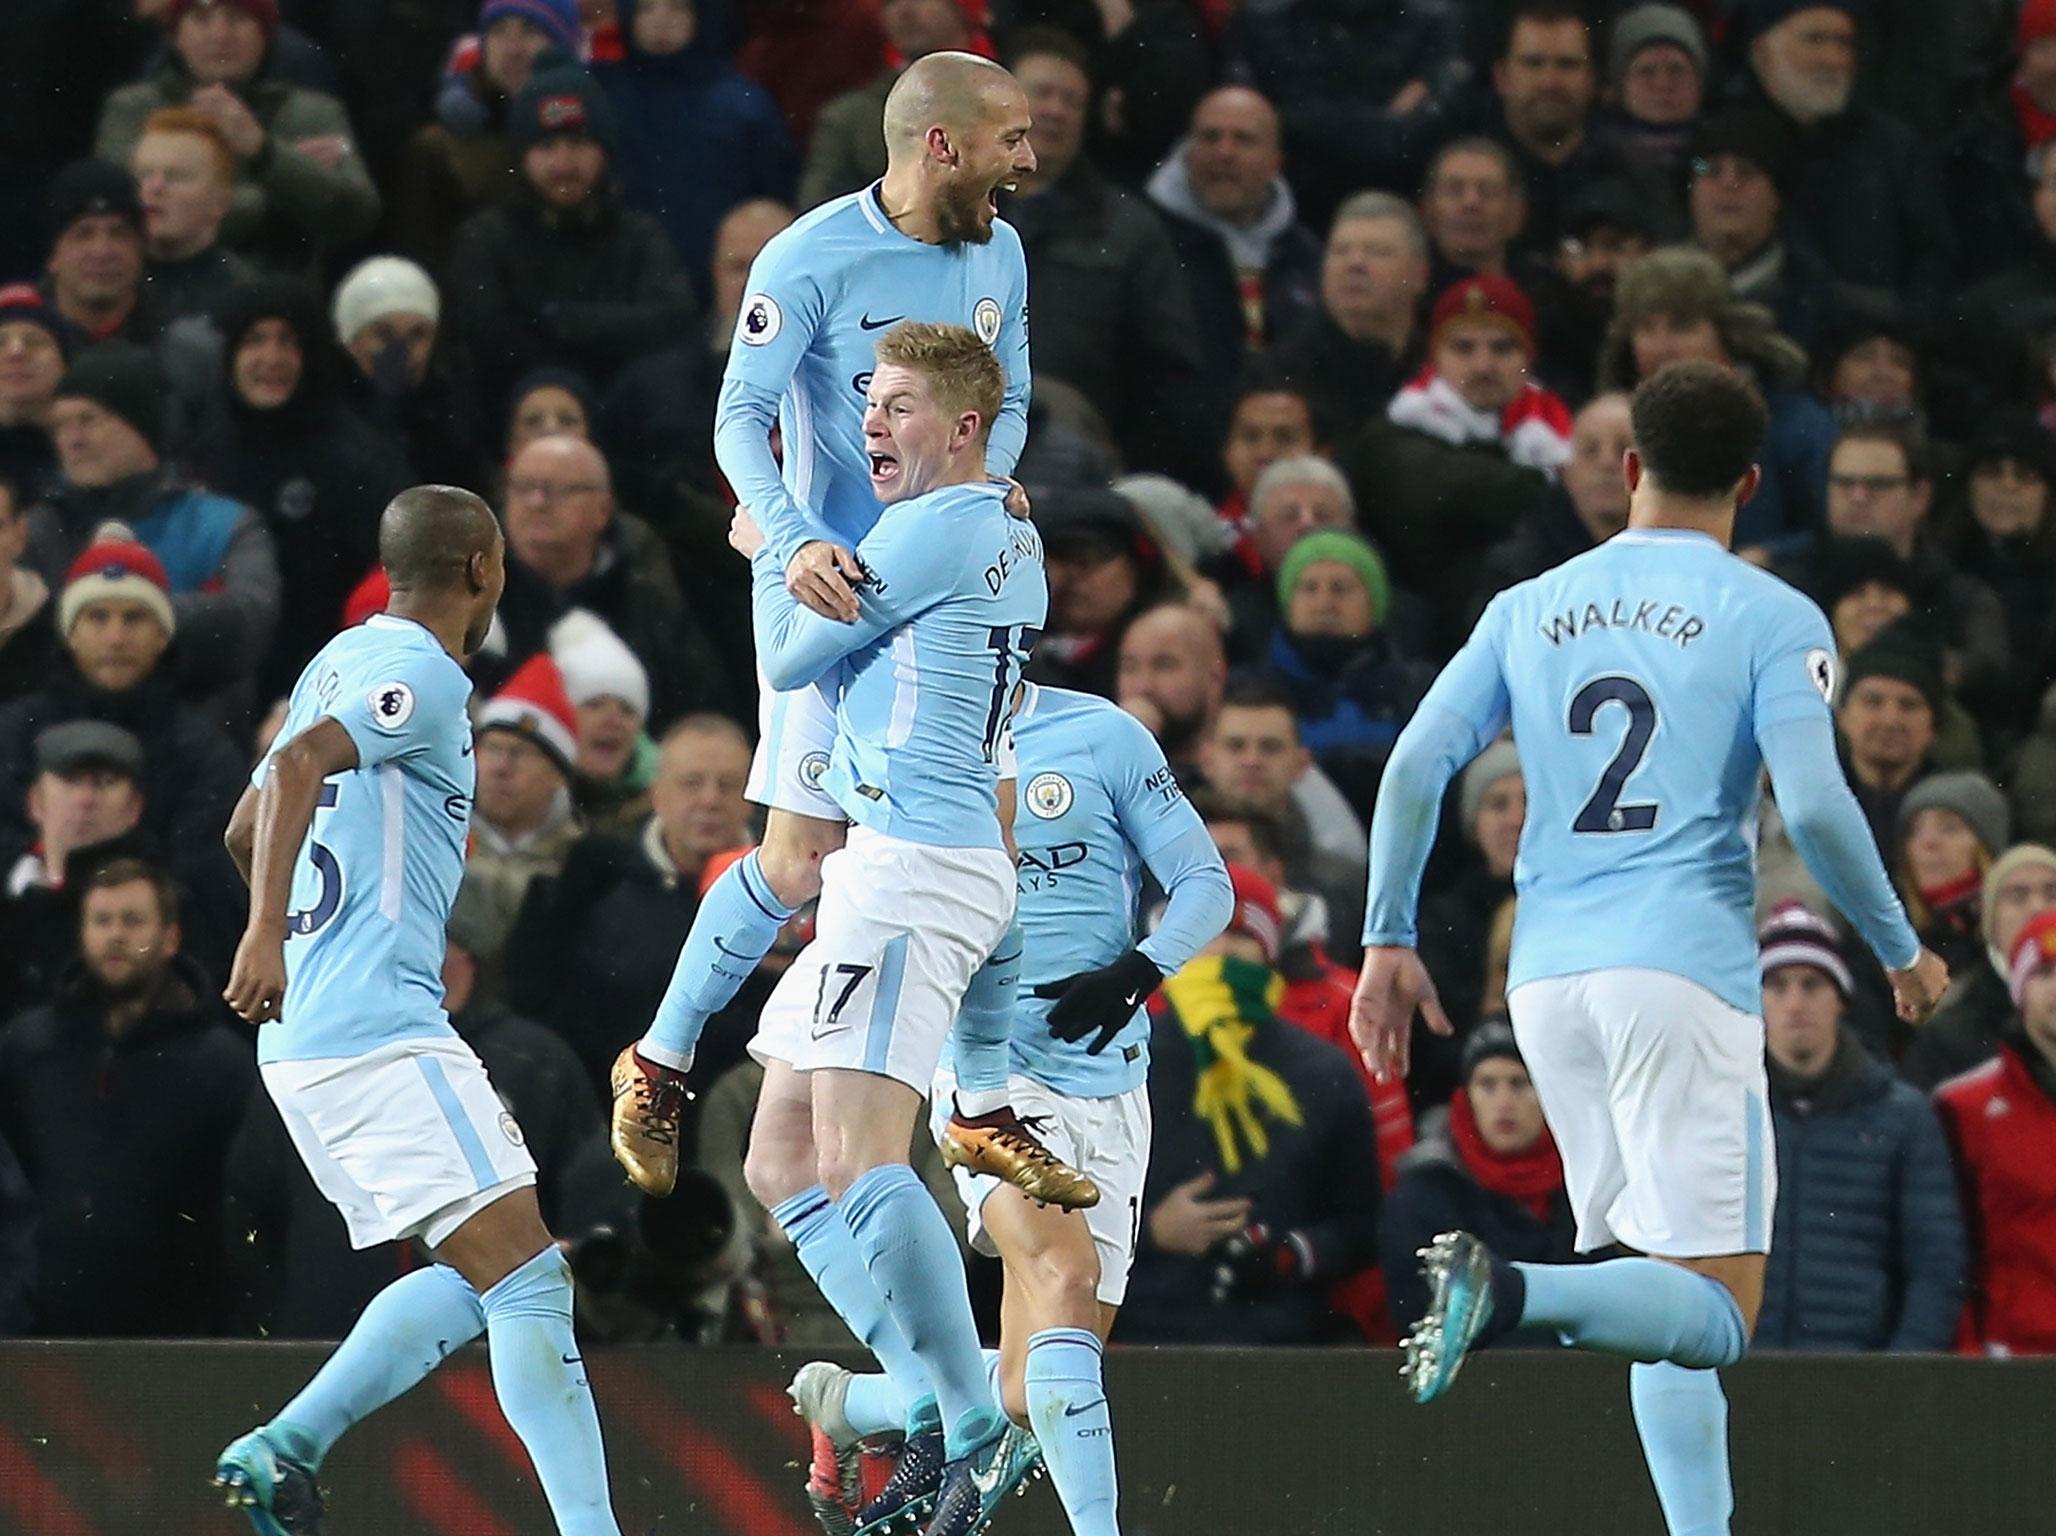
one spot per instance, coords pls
(1348, 695)
(696, 138)
(1868, 1250)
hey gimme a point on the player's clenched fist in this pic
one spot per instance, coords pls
(1393, 986)
(257, 980)
(1919, 987)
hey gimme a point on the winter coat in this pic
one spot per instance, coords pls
(846, 151)
(1332, 67)
(1964, 1030)
(1317, 1180)
(319, 475)
(1866, 194)
(217, 552)
(17, 1247)
(449, 173)
(631, 587)
(1455, 923)
(291, 1268)
(1867, 1249)
(1113, 314)
(1552, 535)
(1349, 696)
(1436, 1193)
(123, 1140)
(289, 208)
(1347, 382)
(1291, 280)
(2001, 1120)
(697, 138)
(592, 950)
(192, 773)
(592, 289)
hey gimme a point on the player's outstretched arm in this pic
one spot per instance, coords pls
(283, 811)
(904, 568)
(1828, 829)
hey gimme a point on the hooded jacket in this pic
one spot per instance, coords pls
(123, 1140)
(2001, 1120)
(1867, 1249)
(315, 472)
(590, 288)
(697, 136)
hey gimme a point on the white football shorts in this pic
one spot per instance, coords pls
(900, 931)
(1655, 1091)
(1107, 1140)
(409, 1140)
(795, 734)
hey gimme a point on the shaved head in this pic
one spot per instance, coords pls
(946, 90)
(430, 532)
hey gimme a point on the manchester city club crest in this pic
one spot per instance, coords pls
(985, 320)
(1048, 796)
(813, 768)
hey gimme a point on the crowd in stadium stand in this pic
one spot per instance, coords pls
(1335, 305)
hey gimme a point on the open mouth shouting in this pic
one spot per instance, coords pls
(885, 470)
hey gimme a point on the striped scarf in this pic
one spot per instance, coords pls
(1221, 1002)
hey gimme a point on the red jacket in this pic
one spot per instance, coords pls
(2003, 1127)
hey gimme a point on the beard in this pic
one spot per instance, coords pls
(960, 214)
(1807, 98)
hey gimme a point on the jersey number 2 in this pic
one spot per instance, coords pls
(313, 919)
(1604, 812)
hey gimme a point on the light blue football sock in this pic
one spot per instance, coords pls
(825, 1247)
(1067, 1403)
(402, 1334)
(1642, 1308)
(914, 1262)
(736, 924)
(539, 1378)
(1683, 1418)
(984, 1026)
(872, 1406)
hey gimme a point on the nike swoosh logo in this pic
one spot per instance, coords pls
(733, 954)
(987, 1481)
(868, 324)
(1072, 1413)
(572, 1359)
(465, 750)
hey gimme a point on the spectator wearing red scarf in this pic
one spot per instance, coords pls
(2033, 92)
(1493, 1171)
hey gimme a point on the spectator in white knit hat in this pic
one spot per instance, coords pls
(388, 316)
(610, 692)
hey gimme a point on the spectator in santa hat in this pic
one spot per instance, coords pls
(115, 619)
(523, 819)
(610, 692)
(1476, 387)
(2001, 1120)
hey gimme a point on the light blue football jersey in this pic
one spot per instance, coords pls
(1640, 679)
(373, 882)
(820, 295)
(1097, 804)
(952, 602)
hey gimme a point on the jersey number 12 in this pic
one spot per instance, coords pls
(1604, 812)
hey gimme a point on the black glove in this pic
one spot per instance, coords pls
(1103, 1000)
(1257, 1258)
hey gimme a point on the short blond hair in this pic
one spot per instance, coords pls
(961, 371)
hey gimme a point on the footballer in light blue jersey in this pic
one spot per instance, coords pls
(375, 878)
(953, 601)
(1647, 683)
(820, 295)
(1098, 806)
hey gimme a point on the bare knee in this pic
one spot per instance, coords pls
(791, 854)
(1064, 1283)
(776, 1173)
(841, 1164)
